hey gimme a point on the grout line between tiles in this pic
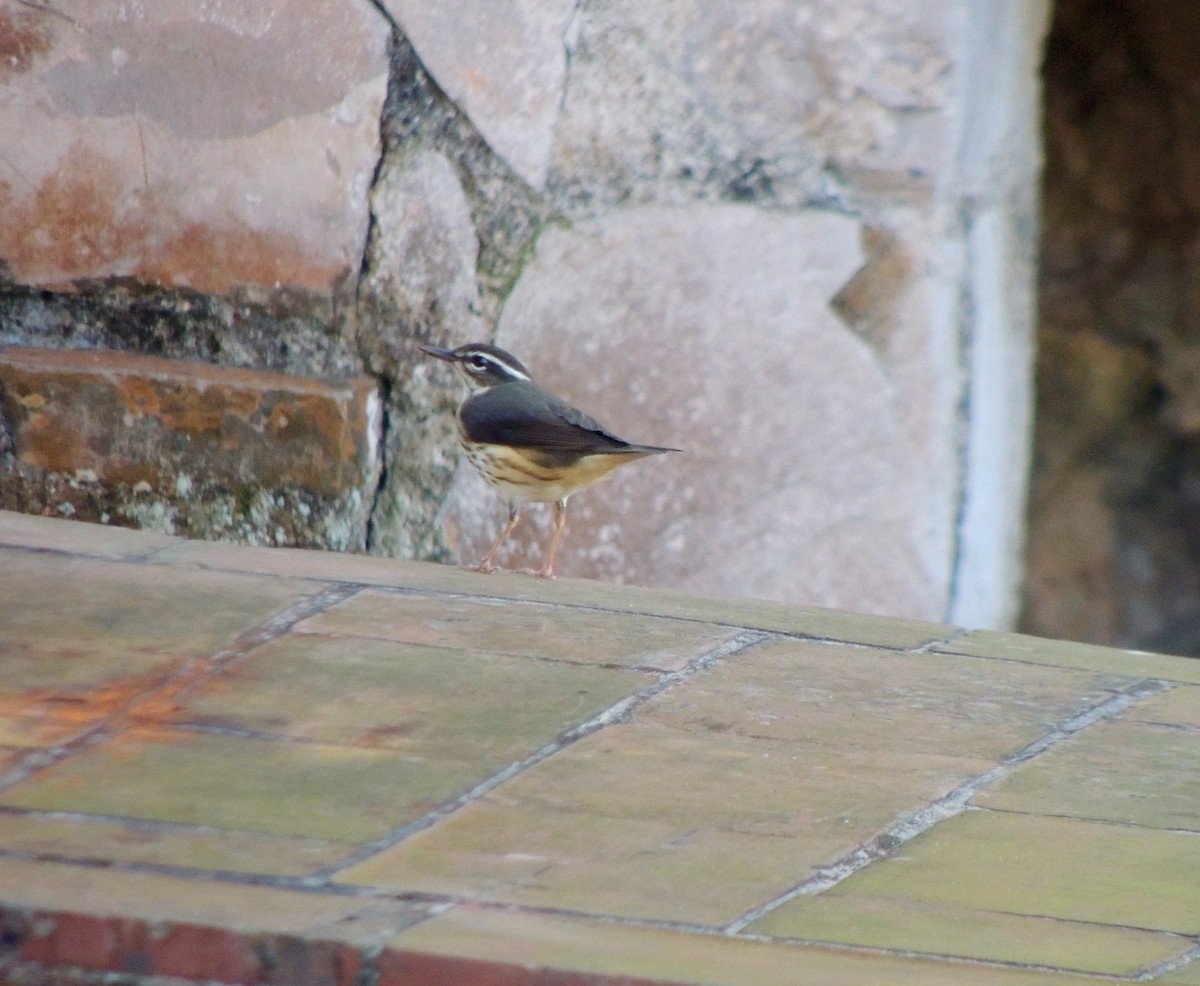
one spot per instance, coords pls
(952, 803)
(1094, 820)
(618, 712)
(1185, 957)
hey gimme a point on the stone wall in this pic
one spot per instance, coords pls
(794, 240)
(1115, 542)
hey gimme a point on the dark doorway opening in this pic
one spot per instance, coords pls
(1114, 526)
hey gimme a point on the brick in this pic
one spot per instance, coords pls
(128, 419)
(199, 952)
(89, 941)
(195, 952)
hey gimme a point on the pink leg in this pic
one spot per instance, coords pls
(560, 518)
(488, 563)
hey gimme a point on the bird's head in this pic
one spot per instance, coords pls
(481, 365)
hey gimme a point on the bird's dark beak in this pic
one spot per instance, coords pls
(438, 352)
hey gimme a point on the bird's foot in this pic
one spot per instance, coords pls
(537, 573)
(485, 566)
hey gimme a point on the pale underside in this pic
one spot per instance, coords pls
(510, 471)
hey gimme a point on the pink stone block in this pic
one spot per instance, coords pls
(205, 146)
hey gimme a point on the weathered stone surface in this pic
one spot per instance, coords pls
(711, 330)
(420, 282)
(588, 176)
(173, 432)
(753, 100)
(451, 227)
(424, 249)
(189, 144)
(503, 63)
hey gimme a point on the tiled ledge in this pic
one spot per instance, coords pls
(266, 766)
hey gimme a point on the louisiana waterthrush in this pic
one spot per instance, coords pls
(529, 445)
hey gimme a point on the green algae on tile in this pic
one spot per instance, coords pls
(280, 787)
(431, 702)
(1187, 974)
(80, 837)
(633, 867)
(100, 891)
(96, 621)
(916, 926)
(1065, 868)
(576, 948)
(522, 628)
(651, 822)
(81, 639)
(1176, 707)
(860, 698)
(1115, 771)
(1068, 654)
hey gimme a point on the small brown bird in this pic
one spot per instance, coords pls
(529, 445)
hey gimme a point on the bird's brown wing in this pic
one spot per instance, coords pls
(525, 416)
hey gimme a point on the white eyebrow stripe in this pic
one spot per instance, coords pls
(507, 367)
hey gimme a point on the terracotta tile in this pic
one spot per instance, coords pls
(78, 538)
(808, 621)
(586, 636)
(731, 787)
(1053, 867)
(279, 787)
(950, 930)
(481, 946)
(1115, 771)
(1067, 654)
(432, 703)
(81, 837)
(634, 867)
(756, 614)
(299, 563)
(108, 618)
(848, 699)
(646, 821)
(111, 631)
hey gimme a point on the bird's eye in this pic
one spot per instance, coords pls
(477, 363)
